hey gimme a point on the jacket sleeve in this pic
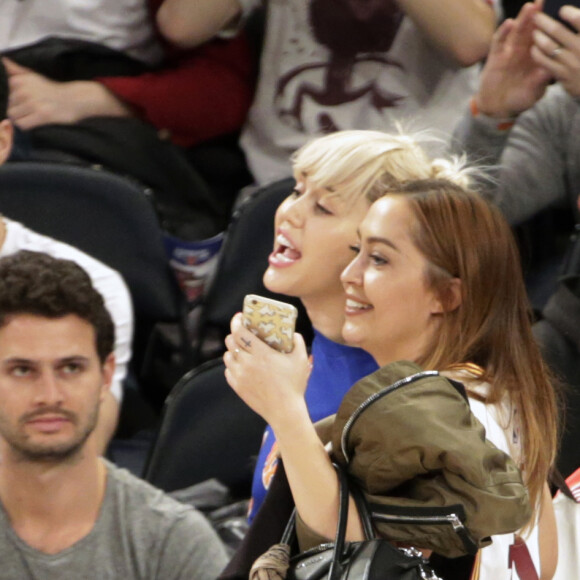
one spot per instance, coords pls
(198, 94)
(525, 167)
(420, 446)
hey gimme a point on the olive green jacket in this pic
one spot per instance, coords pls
(420, 448)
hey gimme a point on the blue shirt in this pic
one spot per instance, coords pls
(336, 368)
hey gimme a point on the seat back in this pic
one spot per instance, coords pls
(206, 432)
(106, 216)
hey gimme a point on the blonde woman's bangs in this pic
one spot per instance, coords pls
(351, 161)
(360, 163)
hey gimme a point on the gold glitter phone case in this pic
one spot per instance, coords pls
(270, 320)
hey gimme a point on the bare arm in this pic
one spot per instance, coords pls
(461, 29)
(312, 478)
(189, 23)
(273, 385)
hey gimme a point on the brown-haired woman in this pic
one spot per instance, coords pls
(483, 336)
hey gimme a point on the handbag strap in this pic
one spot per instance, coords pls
(363, 511)
(339, 540)
(290, 529)
(335, 568)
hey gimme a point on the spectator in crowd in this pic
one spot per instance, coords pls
(520, 128)
(189, 96)
(95, 85)
(329, 65)
(15, 236)
(436, 280)
(524, 131)
(64, 511)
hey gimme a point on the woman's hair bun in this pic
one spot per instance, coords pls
(454, 169)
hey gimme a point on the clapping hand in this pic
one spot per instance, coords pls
(512, 80)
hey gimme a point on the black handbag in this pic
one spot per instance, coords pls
(371, 559)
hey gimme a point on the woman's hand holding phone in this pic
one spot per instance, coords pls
(272, 383)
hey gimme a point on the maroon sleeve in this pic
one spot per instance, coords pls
(197, 94)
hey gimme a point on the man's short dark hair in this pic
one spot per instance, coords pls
(38, 284)
(3, 92)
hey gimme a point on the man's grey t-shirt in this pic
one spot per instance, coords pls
(140, 533)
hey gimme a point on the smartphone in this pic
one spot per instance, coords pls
(271, 320)
(552, 7)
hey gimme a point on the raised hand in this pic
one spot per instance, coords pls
(512, 80)
(270, 382)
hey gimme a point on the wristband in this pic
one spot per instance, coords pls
(501, 124)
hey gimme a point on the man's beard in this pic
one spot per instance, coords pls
(59, 452)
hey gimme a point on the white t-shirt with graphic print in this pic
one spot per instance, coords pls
(321, 72)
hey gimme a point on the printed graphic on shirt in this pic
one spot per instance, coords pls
(357, 34)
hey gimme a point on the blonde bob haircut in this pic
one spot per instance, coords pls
(464, 237)
(368, 163)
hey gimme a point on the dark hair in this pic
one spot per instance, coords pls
(3, 92)
(38, 284)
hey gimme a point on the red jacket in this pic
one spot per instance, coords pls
(198, 94)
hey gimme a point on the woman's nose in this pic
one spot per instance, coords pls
(352, 274)
(292, 211)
